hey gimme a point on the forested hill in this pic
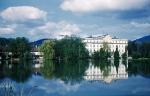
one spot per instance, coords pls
(143, 39)
(38, 42)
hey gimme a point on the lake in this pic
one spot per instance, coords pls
(75, 78)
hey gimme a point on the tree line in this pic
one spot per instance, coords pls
(64, 49)
(139, 49)
(16, 47)
(70, 48)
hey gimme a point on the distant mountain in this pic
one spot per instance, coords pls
(38, 42)
(143, 39)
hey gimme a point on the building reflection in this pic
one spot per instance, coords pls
(37, 63)
(106, 74)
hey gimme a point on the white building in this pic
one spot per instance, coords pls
(95, 73)
(95, 43)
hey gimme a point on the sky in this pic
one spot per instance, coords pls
(38, 19)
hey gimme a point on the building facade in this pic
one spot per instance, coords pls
(96, 43)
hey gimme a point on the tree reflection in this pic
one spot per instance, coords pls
(74, 71)
(48, 69)
(139, 67)
(18, 71)
(125, 62)
(71, 71)
(104, 66)
(2, 75)
(68, 71)
(116, 63)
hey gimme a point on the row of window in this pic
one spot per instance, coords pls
(100, 41)
(113, 76)
(98, 45)
(112, 50)
(120, 50)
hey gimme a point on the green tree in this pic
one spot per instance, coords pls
(105, 46)
(70, 48)
(103, 53)
(139, 49)
(47, 48)
(96, 55)
(19, 47)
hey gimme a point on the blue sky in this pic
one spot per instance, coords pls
(36, 19)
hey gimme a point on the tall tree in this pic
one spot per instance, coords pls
(47, 48)
(19, 47)
(105, 46)
(103, 53)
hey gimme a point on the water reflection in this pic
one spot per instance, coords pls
(37, 63)
(7, 87)
(74, 71)
(12, 73)
(139, 67)
(68, 71)
(68, 76)
(18, 71)
(106, 71)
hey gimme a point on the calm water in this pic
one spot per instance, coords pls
(75, 78)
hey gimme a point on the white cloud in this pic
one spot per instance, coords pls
(130, 30)
(106, 5)
(141, 25)
(22, 13)
(6, 30)
(60, 87)
(54, 29)
(65, 28)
